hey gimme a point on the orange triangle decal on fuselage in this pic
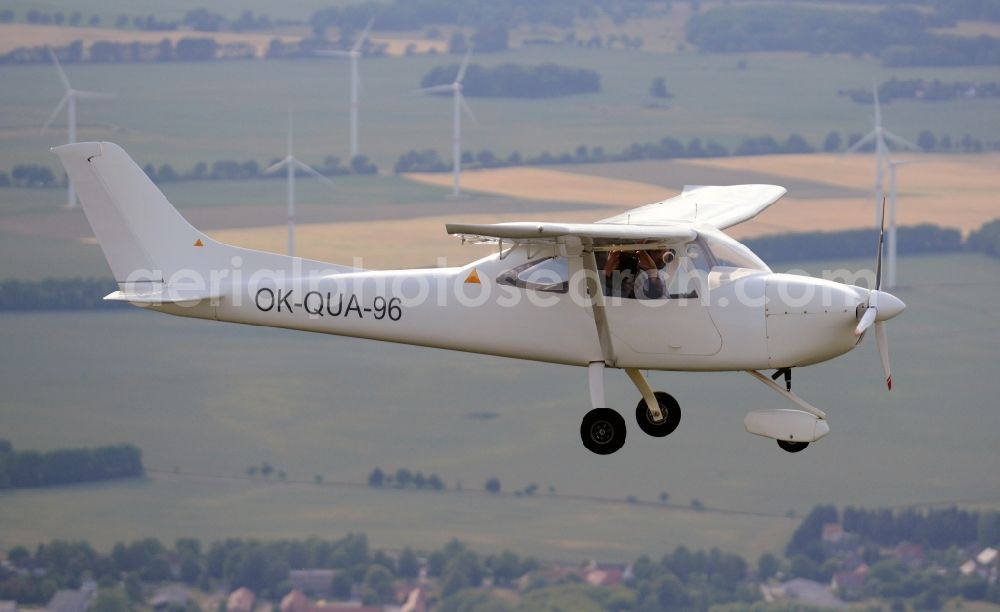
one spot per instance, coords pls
(198, 243)
(473, 277)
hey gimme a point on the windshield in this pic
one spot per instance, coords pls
(731, 254)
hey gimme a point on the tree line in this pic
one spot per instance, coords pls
(516, 81)
(404, 479)
(806, 246)
(187, 49)
(901, 36)
(30, 469)
(921, 89)
(429, 160)
(42, 177)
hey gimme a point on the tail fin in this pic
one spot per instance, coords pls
(142, 235)
(137, 228)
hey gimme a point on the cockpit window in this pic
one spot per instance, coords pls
(550, 274)
(669, 271)
(728, 253)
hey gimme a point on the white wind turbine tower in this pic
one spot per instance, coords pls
(291, 164)
(69, 100)
(353, 55)
(458, 104)
(891, 242)
(879, 135)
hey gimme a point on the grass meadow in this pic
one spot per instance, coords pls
(213, 399)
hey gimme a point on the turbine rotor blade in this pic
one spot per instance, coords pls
(93, 95)
(62, 75)
(465, 106)
(278, 165)
(334, 53)
(434, 89)
(902, 142)
(310, 170)
(464, 66)
(57, 110)
(364, 34)
(854, 148)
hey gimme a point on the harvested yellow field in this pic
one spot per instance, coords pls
(960, 191)
(17, 35)
(398, 46)
(972, 29)
(390, 244)
(552, 185)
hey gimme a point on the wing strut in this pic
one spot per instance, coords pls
(596, 293)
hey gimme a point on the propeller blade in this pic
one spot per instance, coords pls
(465, 106)
(866, 321)
(878, 257)
(434, 89)
(310, 170)
(62, 75)
(56, 112)
(464, 66)
(364, 35)
(861, 143)
(883, 350)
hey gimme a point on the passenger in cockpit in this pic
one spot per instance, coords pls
(654, 273)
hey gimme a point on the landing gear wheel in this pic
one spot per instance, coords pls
(792, 447)
(671, 416)
(602, 431)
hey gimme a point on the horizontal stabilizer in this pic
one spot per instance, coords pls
(162, 295)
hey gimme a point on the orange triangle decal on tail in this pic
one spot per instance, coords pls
(473, 277)
(198, 243)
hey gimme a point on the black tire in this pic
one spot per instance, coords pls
(792, 447)
(602, 431)
(670, 409)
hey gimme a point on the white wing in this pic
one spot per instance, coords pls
(720, 207)
(548, 232)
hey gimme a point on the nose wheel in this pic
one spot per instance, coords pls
(602, 431)
(792, 447)
(670, 412)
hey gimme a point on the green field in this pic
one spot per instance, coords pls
(181, 113)
(210, 398)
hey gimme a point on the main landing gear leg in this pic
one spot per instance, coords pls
(658, 414)
(603, 429)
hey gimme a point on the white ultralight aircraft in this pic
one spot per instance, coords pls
(657, 288)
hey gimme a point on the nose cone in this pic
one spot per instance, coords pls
(888, 305)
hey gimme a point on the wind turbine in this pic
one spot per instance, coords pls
(69, 100)
(879, 135)
(891, 242)
(291, 164)
(353, 55)
(458, 103)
